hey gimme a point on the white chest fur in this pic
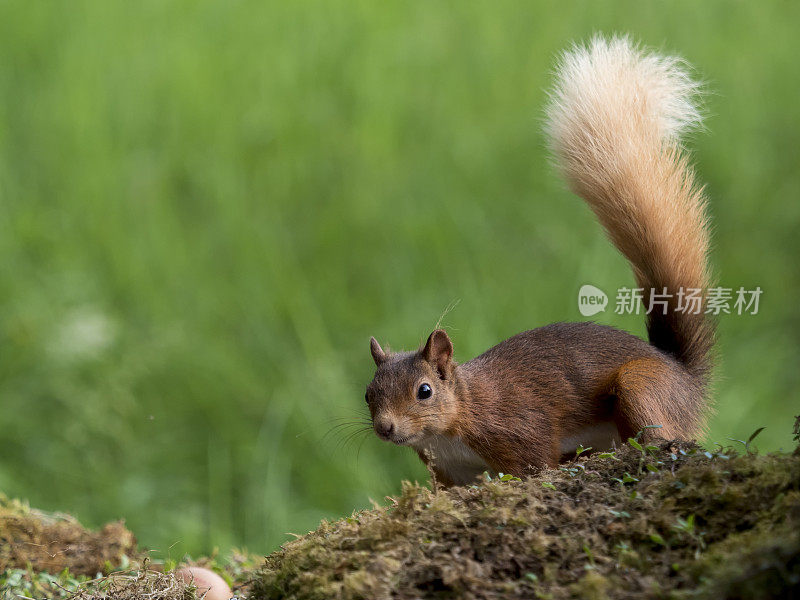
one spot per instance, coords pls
(454, 458)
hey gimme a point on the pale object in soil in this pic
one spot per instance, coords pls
(207, 582)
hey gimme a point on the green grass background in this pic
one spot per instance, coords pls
(206, 209)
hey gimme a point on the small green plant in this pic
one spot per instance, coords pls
(169, 565)
(687, 528)
(612, 455)
(573, 470)
(639, 434)
(649, 454)
(746, 443)
(589, 555)
(626, 478)
(686, 525)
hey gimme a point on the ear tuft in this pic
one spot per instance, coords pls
(378, 355)
(438, 351)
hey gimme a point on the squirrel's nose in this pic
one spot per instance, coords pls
(384, 428)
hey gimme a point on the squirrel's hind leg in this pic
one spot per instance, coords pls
(651, 392)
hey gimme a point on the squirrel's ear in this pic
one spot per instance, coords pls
(378, 355)
(438, 351)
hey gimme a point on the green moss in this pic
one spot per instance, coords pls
(659, 522)
(758, 563)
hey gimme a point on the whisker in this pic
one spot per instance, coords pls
(342, 428)
(348, 419)
(353, 436)
(361, 445)
(348, 435)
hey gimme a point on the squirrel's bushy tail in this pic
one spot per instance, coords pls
(615, 121)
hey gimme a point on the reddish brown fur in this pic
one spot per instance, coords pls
(614, 123)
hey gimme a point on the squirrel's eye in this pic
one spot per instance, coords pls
(366, 397)
(424, 392)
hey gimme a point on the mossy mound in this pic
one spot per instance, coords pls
(33, 539)
(51, 556)
(667, 521)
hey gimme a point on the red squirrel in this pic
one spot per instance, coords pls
(614, 122)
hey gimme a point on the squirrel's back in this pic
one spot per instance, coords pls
(570, 363)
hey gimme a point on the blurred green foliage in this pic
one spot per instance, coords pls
(207, 208)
